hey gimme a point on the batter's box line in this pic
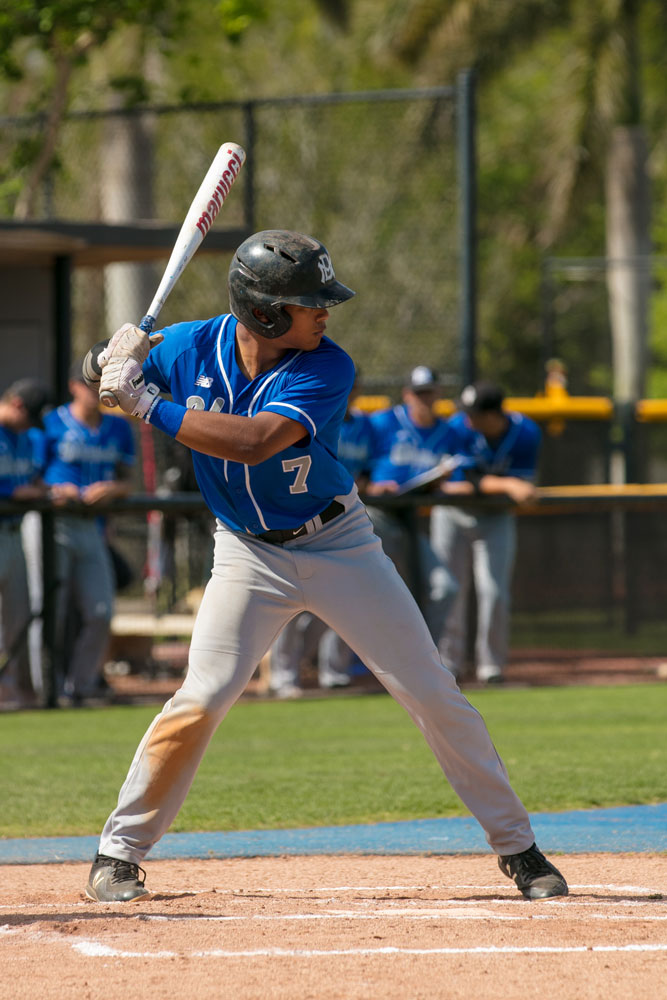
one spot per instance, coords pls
(95, 950)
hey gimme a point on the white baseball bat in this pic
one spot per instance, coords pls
(204, 208)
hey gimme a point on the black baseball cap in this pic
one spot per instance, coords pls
(35, 396)
(76, 371)
(422, 378)
(481, 397)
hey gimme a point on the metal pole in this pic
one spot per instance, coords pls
(467, 170)
(62, 325)
(249, 126)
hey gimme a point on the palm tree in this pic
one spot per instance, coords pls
(598, 121)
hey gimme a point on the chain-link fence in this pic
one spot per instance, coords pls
(576, 320)
(374, 176)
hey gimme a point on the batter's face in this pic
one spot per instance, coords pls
(307, 329)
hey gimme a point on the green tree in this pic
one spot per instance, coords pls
(65, 34)
(595, 128)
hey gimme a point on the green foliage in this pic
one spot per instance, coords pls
(60, 23)
(237, 16)
(335, 761)
(552, 81)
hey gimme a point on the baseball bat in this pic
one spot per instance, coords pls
(203, 209)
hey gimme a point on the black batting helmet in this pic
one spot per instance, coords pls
(275, 268)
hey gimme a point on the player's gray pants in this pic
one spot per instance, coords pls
(437, 583)
(31, 535)
(479, 547)
(86, 579)
(341, 574)
(14, 609)
(306, 637)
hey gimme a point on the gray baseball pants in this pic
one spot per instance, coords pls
(437, 583)
(304, 638)
(86, 580)
(480, 547)
(341, 574)
(14, 608)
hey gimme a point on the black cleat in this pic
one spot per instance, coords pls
(535, 877)
(114, 881)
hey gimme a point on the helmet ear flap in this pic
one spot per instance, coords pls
(276, 322)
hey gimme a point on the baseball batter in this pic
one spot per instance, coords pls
(258, 395)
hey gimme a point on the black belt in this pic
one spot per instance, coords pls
(279, 535)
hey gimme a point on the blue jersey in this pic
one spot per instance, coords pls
(19, 459)
(76, 453)
(513, 454)
(355, 443)
(196, 363)
(402, 450)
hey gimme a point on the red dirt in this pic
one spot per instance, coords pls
(343, 928)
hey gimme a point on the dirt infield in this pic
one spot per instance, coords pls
(344, 928)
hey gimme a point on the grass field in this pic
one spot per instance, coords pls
(581, 628)
(334, 761)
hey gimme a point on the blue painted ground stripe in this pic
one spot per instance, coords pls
(624, 829)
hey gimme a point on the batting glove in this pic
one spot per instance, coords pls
(124, 378)
(130, 342)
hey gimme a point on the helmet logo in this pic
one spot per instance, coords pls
(326, 267)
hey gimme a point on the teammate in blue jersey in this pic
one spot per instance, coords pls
(409, 439)
(88, 458)
(500, 449)
(259, 396)
(355, 442)
(21, 408)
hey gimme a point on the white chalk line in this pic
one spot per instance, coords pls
(95, 949)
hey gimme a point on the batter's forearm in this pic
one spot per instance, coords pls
(248, 440)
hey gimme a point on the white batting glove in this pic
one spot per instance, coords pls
(130, 342)
(124, 378)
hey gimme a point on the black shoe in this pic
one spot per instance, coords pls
(114, 881)
(535, 877)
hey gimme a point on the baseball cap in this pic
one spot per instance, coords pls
(76, 371)
(480, 397)
(35, 396)
(422, 378)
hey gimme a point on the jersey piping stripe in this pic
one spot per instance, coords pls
(404, 419)
(297, 409)
(269, 380)
(94, 469)
(246, 470)
(505, 445)
(230, 394)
